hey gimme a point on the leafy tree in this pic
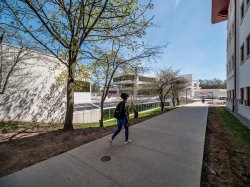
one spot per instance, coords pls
(72, 29)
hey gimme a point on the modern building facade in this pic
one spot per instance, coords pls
(33, 92)
(237, 14)
(133, 84)
(192, 85)
(138, 85)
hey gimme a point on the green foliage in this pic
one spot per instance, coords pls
(95, 87)
(81, 86)
(61, 79)
(82, 74)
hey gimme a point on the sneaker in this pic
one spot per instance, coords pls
(127, 142)
(110, 140)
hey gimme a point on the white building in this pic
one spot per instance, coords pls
(125, 83)
(237, 12)
(211, 93)
(192, 85)
(132, 83)
(33, 93)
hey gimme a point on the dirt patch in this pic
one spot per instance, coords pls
(22, 152)
(226, 160)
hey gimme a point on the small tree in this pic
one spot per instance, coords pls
(178, 85)
(112, 61)
(162, 85)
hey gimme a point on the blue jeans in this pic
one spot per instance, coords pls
(120, 122)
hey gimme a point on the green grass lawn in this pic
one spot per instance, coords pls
(6, 127)
(150, 112)
(240, 132)
(113, 121)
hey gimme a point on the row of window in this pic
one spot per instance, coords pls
(245, 96)
(242, 49)
(146, 79)
(132, 78)
(230, 94)
(124, 77)
(244, 54)
(243, 8)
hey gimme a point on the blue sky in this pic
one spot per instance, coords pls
(195, 45)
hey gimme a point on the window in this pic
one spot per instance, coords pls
(146, 79)
(242, 10)
(124, 78)
(248, 96)
(241, 95)
(248, 45)
(242, 53)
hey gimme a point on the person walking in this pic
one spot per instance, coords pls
(122, 116)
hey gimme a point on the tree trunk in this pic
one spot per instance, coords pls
(162, 105)
(101, 120)
(178, 101)
(68, 123)
(173, 101)
(136, 113)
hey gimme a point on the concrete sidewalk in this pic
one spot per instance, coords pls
(166, 151)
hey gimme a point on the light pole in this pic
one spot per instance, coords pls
(186, 93)
(212, 96)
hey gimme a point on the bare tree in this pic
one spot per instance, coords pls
(114, 60)
(162, 85)
(178, 85)
(71, 30)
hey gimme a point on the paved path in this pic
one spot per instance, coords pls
(166, 151)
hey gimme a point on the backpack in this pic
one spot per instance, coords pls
(120, 111)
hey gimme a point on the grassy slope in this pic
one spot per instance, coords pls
(239, 132)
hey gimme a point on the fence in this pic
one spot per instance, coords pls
(94, 115)
(109, 112)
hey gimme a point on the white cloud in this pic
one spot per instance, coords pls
(176, 3)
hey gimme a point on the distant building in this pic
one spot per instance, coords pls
(138, 85)
(192, 85)
(237, 14)
(33, 93)
(211, 93)
(130, 83)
